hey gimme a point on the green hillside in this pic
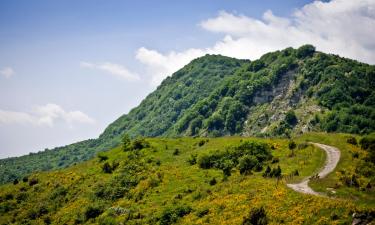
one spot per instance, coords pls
(196, 181)
(284, 93)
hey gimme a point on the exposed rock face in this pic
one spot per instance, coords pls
(271, 105)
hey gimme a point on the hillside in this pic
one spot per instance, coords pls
(284, 93)
(196, 181)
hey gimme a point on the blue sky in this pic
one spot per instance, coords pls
(69, 68)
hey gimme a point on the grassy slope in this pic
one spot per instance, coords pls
(346, 163)
(175, 182)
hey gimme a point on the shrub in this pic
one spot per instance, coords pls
(25, 179)
(202, 142)
(171, 215)
(107, 168)
(126, 142)
(213, 181)
(102, 157)
(202, 212)
(246, 163)
(33, 181)
(15, 182)
(267, 172)
(291, 118)
(351, 140)
(192, 160)
(275, 160)
(231, 157)
(257, 216)
(93, 211)
(139, 144)
(176, 151)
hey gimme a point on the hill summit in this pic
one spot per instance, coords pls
(283, 93)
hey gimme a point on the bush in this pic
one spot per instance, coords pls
(139, 144)
(267, 172)
(171, 215)
(246, 163)
(192, 160)
(107, 168)
(213, 181)
(291, 118)
(102, 157)
(231, 157)
(351, 140)
(257, 216)
(176, 151)
(202, 212)
(33, 181)
(275, 160)
(93, 211)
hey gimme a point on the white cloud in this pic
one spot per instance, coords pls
(46, 115)
(112, 68)
(340, 27)
(7, 72)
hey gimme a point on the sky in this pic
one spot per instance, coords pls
(69, 68)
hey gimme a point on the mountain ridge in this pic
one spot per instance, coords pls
(284, 93)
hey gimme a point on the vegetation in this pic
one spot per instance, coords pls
(142, 191)
(283, 93)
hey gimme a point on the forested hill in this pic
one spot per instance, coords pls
(283, 93)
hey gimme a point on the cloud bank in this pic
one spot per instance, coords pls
(339, 26)
(7, 72)
(46, 115)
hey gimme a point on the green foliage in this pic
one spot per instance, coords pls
(305, 51)
(291, 118)
(247, 156)
(257, 216)
(246, 163)
(215, 96)
(93, 211)
(351, 140)
(192, 160)
(172, 214)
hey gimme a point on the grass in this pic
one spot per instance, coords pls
(174, 182)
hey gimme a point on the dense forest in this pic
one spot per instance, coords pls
(284, 93)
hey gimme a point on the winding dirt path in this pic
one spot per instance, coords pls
(333, 157)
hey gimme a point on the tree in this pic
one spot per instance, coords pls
(126, 142)
(305, 51)
(291, 118)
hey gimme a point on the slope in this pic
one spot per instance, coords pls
(284, 93)
(166, 181)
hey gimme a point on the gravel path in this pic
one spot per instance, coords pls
(333, 157)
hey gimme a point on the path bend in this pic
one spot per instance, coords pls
(333, 157)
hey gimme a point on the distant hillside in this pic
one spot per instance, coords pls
(284, 93)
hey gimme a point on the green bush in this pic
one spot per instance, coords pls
(351, 140)
(93, 211)
(192, 160)
(172, 214)
(257, 216)
(246, 163)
